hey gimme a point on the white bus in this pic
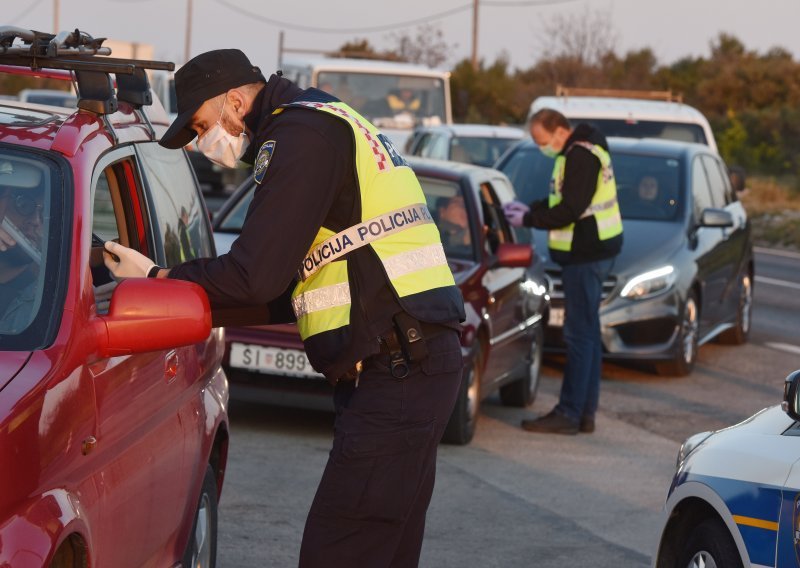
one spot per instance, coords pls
(394, 96)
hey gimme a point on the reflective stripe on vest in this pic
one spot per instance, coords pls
(352, 238)
(604, 206)
(413, 257)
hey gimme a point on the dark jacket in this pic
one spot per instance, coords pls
(580, 183)
(310, 182)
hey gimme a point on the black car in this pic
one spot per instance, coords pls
(501, 338)
(685, 274)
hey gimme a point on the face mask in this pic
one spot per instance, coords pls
(548, 151)
(221, 147)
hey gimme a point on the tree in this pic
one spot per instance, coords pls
(583, 38)
(426, 46)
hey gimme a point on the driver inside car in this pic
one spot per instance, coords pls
(21, 232)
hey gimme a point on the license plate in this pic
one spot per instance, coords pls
(556, 317)
(272, 360)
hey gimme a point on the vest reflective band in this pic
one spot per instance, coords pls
(362, 234)
(604, 206)
(391, 198)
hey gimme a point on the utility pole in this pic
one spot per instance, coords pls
(55, 16)
(187, 51)
(474, 35)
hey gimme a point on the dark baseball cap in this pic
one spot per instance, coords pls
(203, 78)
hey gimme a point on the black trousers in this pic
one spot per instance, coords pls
(369, 509)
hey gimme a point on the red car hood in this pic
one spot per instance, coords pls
(10, 364)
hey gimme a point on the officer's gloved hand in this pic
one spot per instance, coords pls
(128, 262)
(514, 212)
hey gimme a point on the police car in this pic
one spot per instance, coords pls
(735, 498)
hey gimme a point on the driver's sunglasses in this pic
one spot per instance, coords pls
(26, 205)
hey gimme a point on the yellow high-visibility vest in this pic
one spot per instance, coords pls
(604, 205)
(395, 222)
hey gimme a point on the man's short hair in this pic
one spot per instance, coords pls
(549, 119)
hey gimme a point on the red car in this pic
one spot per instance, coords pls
(504, 296)
(113, 423)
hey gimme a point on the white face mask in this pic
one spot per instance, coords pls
(221, 147)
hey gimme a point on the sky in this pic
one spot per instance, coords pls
(672, 29)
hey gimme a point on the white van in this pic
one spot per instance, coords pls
(394, 96)
(631, 114)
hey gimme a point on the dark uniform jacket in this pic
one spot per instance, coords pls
(580, 182)
(310, 182)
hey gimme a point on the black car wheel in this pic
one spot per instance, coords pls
(710, 545)
(461, 427)
(686, 352)
(738, 334)
(201, 550)
(522, 392)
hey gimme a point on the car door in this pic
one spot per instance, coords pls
(142, 427)
(733, 240)
(505, 300)
(788, 548)
(709, 249)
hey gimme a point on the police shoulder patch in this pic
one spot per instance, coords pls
(262, 160)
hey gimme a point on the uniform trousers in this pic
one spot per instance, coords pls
(369, 509)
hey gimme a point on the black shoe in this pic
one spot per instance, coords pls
(587, 424)
(551, 423)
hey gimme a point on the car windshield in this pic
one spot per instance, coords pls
(389, 101)
(445, 201)
(682, 132)
(30, 213)
(447, 206)
(480, 151)
(648, 187)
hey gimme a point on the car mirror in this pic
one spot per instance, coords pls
(712, 217)
(791, 396)
(150, 314)
(511, 255)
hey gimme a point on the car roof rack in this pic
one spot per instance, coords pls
(666, 96)
(90, 64)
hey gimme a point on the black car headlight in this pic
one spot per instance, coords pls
(650, 283)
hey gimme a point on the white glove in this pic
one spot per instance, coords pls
(514, 212)
(130, 263)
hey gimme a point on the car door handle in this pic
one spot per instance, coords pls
(171, 362)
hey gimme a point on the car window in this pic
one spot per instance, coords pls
(437, 149)
(730, 193)
(683, 132)
(179, 214)
(529, 171)
(450, 211)
(421, 143)
(480, 151)
(648, 187)
(701, 193)
(716, 182)
(31, 278)
(496, 229)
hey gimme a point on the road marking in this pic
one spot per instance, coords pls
(793, 349)
(777, 252)
(776, 282)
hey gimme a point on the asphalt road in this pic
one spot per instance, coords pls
(513, 498)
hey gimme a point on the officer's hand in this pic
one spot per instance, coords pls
(128, 262)
(514, 212)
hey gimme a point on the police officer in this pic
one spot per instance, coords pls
(585, 234)
(339, 239)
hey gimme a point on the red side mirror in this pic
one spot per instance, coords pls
(512, 255)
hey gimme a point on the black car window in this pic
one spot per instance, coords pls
(32, 212)
(496, 230)
(179, 213)
(117, 216)
(628, 128)
(701, 193)
(450, 211)
(529, 171)
(716, 182)
(648, 187)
